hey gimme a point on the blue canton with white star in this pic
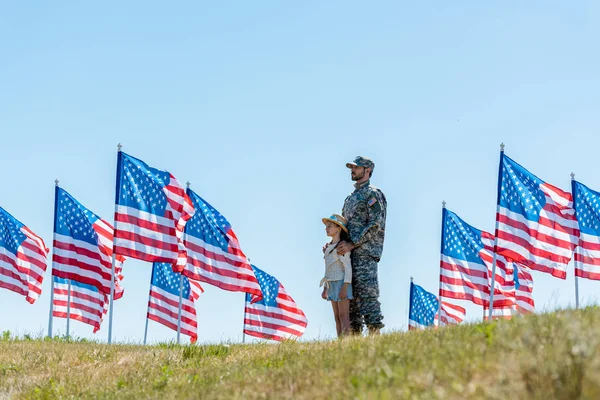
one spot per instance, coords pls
(73, 219)
(460, 240)
(164, 278)
(11, 236)
(520, 190)
(587, 209)
(423, 305)
(269, 287)
(207, 223)
(141, 186)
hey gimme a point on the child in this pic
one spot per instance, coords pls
(337, 282)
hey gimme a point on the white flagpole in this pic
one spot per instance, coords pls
(575, 263)
(51, 306)
(187, 184)
(52, 283)
(243, 321)
(114, 257)
(496, 238)
(442, 244)
(180, 307)
(68, 308)
(148, 307)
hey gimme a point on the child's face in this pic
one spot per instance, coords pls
(331, 229)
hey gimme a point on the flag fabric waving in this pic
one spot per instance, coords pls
(276, 315)
(450, 314)
(536, 221)
(83, 245)
(151, 212)
(463, 271)
(163, 306)
(22, 258)
(587, 210)
(423, 308)
(214, 255)
(523, 289)
(88, 304)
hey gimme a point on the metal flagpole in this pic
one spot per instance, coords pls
(575, 264)
(410, 302)
(68, 308)
(51, 305)
(52, 283)
(148, 307)
(496, 235)
(181, 286)
(114, 256)
(244, 321)
(180, 307)
(441, 252)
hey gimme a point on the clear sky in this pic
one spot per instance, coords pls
(260, 104)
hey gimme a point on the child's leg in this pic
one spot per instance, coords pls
(344, 316)
(336, 315)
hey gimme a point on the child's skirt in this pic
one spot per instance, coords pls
(333, 291)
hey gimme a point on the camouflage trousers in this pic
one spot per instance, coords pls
(365, 308)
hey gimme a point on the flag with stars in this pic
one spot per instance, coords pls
(163, 306)
(422, 309)
(88, 304)
(450, 314)
(587, 210)
(214, 255)
(536, 221)
(82, 247)
(22, 258)
(276, 315)
(151, 212)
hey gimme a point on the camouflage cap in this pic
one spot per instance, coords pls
(360, 161)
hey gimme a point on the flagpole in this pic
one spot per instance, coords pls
(114, 256)
(575, 264)
(244, 322)
(187, 184)
(148, 307)
(52, 283)
(441, 255)
(496, 236)
(410, 302)
(180, 307)
(68, 308)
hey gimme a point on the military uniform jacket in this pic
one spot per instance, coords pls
(365, 209)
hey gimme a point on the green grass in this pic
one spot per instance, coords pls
(549, 356)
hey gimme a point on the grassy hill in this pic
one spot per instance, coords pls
(550, 356)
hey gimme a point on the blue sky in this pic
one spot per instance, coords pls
(260, 104)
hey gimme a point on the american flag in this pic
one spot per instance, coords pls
(88, 304)
(22, 258)
(214, 253)
(423, 308)
(463, 270)
(536, 221)
(83, 245)
(450, 314)
(587, 210)
(163, 306)
(523, 289)
(152, 210)
(276, 316)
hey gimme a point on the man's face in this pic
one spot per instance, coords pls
(357, 172)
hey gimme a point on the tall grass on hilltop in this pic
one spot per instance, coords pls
(549, 356)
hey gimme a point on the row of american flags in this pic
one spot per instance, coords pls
(539, 227)
(157, 220)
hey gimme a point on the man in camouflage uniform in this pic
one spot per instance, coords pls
(365, 210)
